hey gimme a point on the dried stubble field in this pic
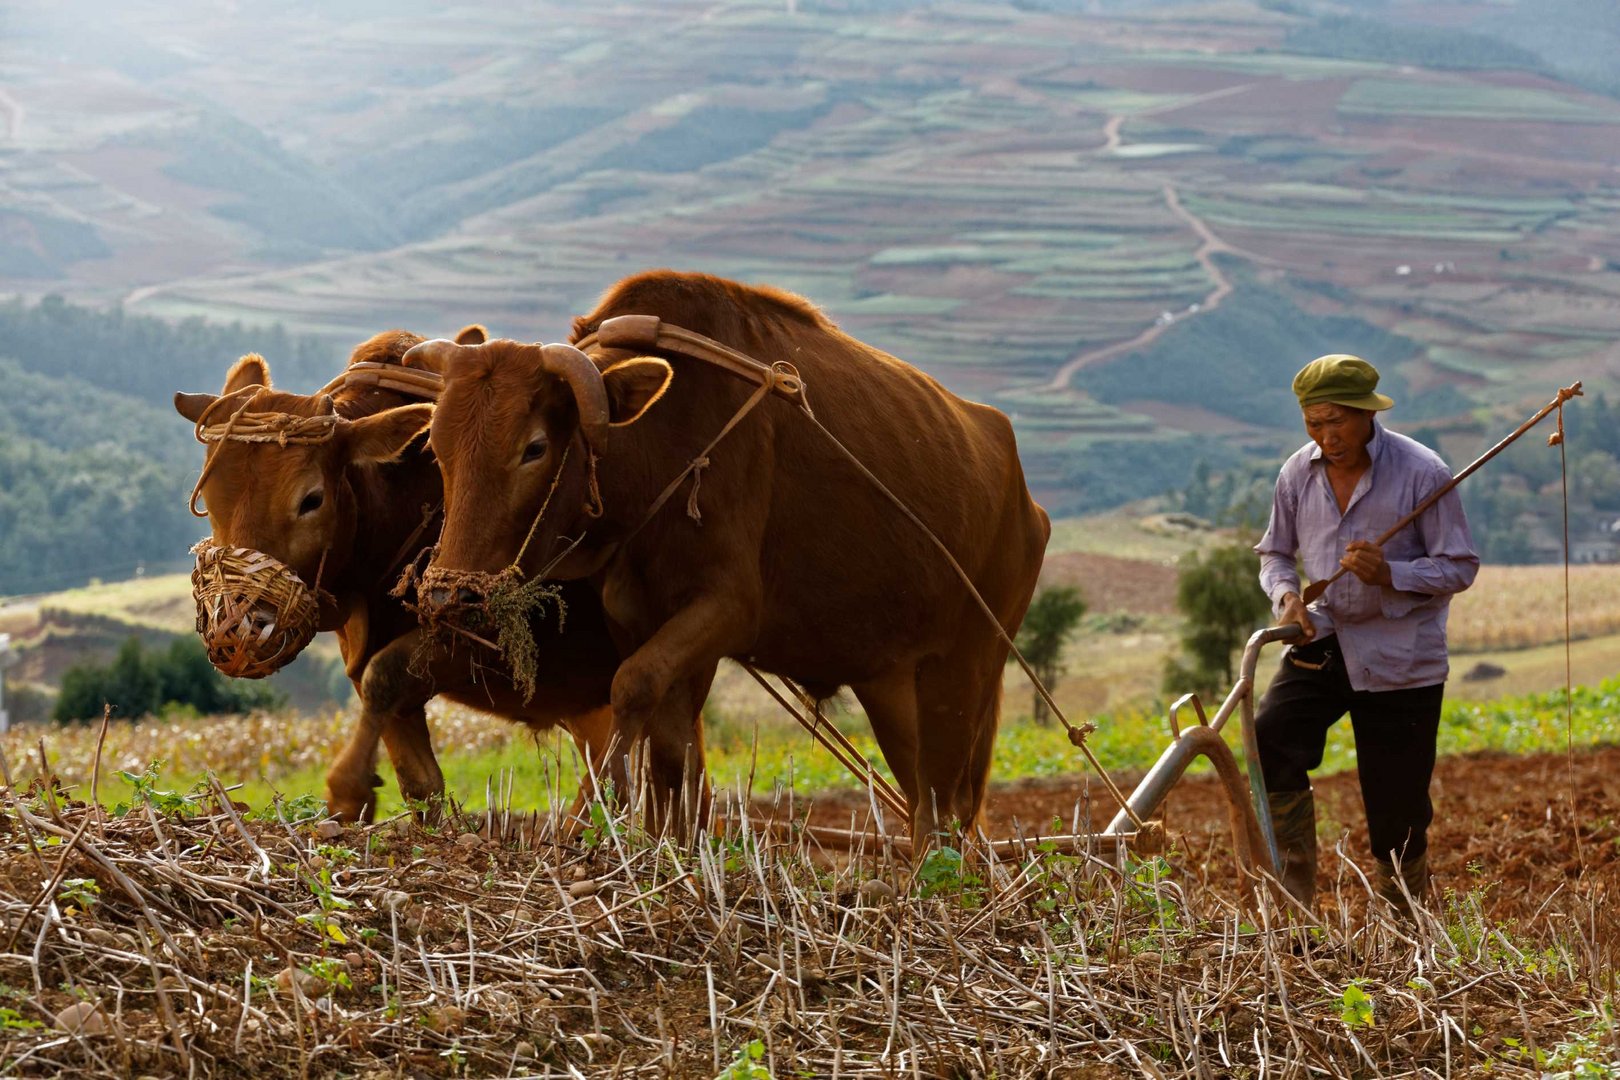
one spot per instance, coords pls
(177, 936)
(177, 932)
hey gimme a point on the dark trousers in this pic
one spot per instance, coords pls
(1395, 737)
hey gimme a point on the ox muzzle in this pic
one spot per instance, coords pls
(480, 606)
(254, 613)
(455, 598)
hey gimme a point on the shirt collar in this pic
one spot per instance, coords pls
(1375, 445)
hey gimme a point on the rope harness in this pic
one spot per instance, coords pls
(502, 598)
(254, 613)
(507, 599)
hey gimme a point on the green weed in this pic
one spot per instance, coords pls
(1355, 1006)
(12, 1020)
(943, 873)
(325, 920)
(145, 792)
(747, 1065)
(80, 894)
(332, 972)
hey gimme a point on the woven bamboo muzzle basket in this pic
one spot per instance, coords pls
(253, 612)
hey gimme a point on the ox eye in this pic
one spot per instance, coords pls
(312, 502)
(534, 451)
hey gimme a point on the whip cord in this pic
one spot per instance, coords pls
(1557, 437)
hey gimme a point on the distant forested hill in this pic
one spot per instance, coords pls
(95, 465)
(150, 358)
(1576, 40)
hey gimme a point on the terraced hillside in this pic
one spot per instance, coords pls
(1072, 210)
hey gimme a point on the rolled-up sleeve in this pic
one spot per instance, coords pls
(1450, 561)
(1279, 547)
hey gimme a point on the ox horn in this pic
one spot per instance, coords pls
(590, 393)
(325, 407)
(432, 355)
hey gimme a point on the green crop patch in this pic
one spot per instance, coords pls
(1469, 101)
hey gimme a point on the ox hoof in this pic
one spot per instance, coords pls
(351, 803)
(427, 808)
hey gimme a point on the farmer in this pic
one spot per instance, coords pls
(1375, 642)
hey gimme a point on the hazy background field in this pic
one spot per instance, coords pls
(1125, 222)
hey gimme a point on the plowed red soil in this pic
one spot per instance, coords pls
(1503, 826)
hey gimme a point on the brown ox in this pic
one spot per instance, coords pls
(343, 513)
(781, 553)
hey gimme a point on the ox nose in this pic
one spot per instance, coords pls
(259, 622)
(443, 596)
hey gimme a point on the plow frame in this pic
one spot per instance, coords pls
(1253, 835)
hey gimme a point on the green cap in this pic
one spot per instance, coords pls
(1339, 379)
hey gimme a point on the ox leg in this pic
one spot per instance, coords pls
(659, 690)
(675, 761)
(891, 708)
(389, 691)
(352, 781)
(592, 734)
(958, 707)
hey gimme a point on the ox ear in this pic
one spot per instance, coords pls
(632, 387)
(385, 436)
(192, 406)
(472, 334)
(251, 370)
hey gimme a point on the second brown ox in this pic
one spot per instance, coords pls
(344, 514)
(779, 552)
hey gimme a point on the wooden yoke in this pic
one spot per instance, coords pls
(643, 332)
(415, 382)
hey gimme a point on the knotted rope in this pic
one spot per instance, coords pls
(780, 377)
(245, 426)
(504, 599)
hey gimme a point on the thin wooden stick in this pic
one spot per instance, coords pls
(1314, 591)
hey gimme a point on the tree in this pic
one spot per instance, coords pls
(1219, 596)
(1048, 626)
(139, 682)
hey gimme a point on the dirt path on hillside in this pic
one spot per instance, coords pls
(1209, 246)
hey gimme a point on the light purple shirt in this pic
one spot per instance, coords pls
(1391, 637)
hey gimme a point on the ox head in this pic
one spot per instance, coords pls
(519, 428)
(292, 500)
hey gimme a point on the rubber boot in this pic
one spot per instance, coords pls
(1414, 872)
(1293, 819)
